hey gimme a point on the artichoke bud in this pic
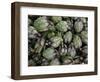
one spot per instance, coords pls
(78, 26)
(63, 50)
(49, 53)
(55, 62)
(84, 36)
(66, 60)
(51, 26)
(77, 41)
(83, 19)
(56, 19)
(50, 34)
(56, 41)
(31, 32)
(68, 37)
(71, 51)
(39, 45)
(62, 26)
(41, 24)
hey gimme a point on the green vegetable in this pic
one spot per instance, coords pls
(41, 24)
(62, 26)
(77, 41)
(49, 53)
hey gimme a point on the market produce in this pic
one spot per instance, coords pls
(57, 40)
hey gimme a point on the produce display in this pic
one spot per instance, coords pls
(57, 40)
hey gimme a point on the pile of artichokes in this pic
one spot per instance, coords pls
(57, 40)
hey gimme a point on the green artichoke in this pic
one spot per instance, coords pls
(56, 19)
(62, 26)
(56, 41)
(51, 26)
(66, 60)
(84, 36)
(68, 37)
(63, 51)
(83, 19)
(55, 62)
(41, 24)
(49, 53)
(76, 61)
(50, 34)
(77, 41)
(78, 26)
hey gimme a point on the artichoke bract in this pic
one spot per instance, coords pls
(77, 41)
(56, 41)
(56, 19)
(68, 37)
(41, 24)
(62, 26)
(49, 53)
(78, 26)
(84, 36)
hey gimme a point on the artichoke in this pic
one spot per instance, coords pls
(45, 62)
(56, 41)
(78, 26)
(66, 60)
(39, 45)
(76, 61)
(51, 26)
(55, 62)
(71, 51)
(84, 36)
(68, 37)
(31, 32)
(62, 26)
(56, 19)
(50, 34)
(63, 50)
(83, 19)
(41, 24)
(49, 53)
(77, 41)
